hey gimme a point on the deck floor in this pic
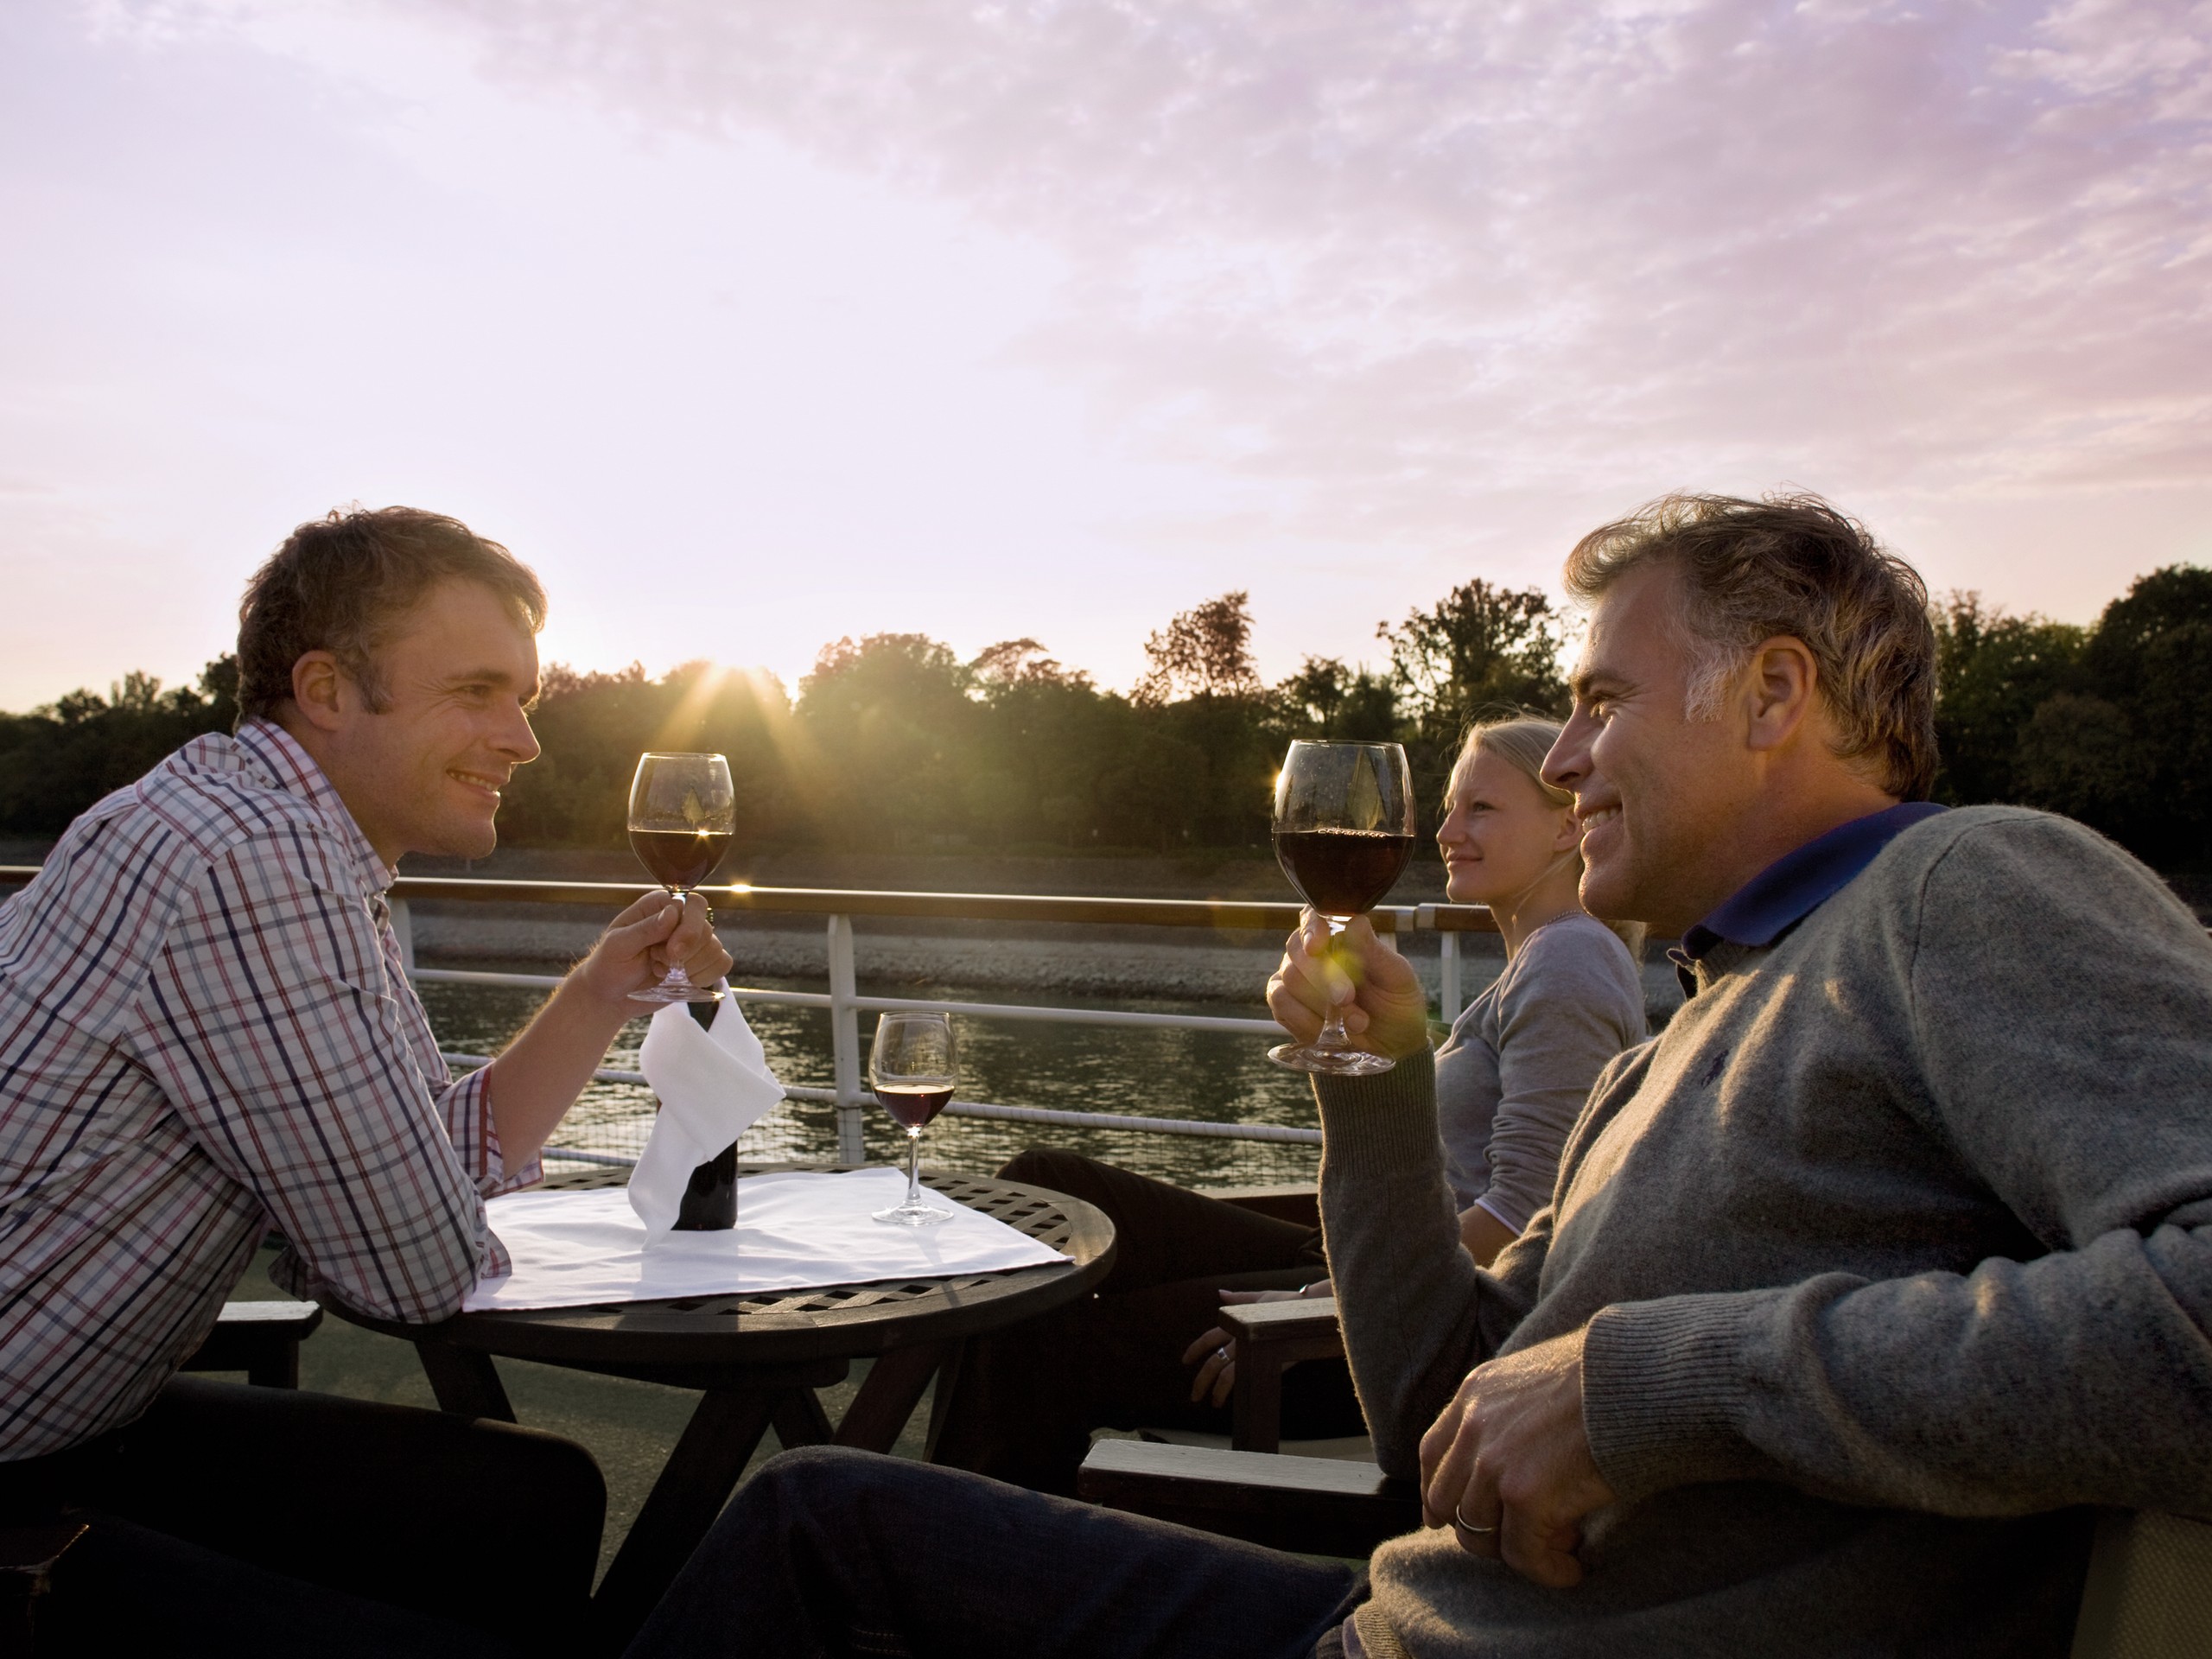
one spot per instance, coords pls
(629, 1426)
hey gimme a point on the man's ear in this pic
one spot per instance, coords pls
(320, 691)
(1779, 690)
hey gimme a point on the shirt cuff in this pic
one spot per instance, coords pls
(475, 1137)
(1663, 1393)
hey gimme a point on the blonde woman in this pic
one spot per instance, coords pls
(1510, 1078)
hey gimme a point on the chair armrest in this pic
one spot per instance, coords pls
(260, 1338)
(1309, 1322)
(1270, 1335)
(1317, 1506)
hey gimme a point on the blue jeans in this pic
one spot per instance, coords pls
(832, 1551)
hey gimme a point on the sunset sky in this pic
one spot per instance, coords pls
(750, 325)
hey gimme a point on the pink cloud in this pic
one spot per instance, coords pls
(1402, 257)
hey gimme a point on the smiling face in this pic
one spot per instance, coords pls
(425, 773)
(1499, 836)
(1661, 798)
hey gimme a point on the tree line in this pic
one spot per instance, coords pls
(895, 742)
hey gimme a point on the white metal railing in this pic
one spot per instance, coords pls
(845, 1004)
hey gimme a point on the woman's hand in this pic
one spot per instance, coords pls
(1219, 1348)
(1385, 1010)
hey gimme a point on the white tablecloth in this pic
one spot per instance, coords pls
(794, 1232)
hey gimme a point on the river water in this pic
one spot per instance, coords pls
(1217, 1076)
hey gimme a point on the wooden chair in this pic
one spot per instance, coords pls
(28, 1558)
(2150, 1589)
(1273, 1336)
(1317, 1506)
(260, 1338)
(2149, 1594)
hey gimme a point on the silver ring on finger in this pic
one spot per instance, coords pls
(1459, 1520)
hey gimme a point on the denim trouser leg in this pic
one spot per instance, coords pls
(829, 1551)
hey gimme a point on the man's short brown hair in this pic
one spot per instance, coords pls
(341, 583)
(1794, 565)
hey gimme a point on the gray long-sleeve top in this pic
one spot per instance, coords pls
(1513, 1076)
(1894, 1251)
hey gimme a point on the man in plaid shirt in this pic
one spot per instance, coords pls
(205, 1029)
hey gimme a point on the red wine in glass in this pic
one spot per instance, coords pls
(1343, 832)
(912, 1105)
(683, 812)
(678, 859)
(913, 1067)
(1343, 872)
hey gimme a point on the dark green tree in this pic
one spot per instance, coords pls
(59, 759)
(1992, 673)
(1480, 652)
(1327, 699)
(2151, 659)
(888, 735)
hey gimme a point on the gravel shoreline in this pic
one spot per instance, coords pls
(1098, 969)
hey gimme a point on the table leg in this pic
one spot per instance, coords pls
(800, 1421)
(948, 1380)
(467, 1382)
(888, 1399)
(717, 1443)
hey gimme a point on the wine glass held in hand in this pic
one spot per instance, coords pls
(1344, 831)
(683, 812)
(914, 1067)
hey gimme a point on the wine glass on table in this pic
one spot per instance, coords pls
(682, 813)
(1343, 831)
(913, 1067)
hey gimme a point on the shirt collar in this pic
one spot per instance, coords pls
(1798, 883)
(293, 769)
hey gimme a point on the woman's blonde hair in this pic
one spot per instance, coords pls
(1523, 740)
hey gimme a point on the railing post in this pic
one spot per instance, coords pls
(402, 929)
(1448, 953)
(845, 1040)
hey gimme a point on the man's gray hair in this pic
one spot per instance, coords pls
(1794, 565)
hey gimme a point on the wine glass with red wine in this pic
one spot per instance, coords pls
(683, 812)
(1344, 831)
(912, 1068)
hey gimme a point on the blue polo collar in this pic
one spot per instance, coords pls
(1798, 883)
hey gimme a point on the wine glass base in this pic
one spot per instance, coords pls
(913, 1214)
(666, 993)
(1329, 1062)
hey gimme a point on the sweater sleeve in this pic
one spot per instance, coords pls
(1563, 1014)
(2060, 1001)
(1417, 1314)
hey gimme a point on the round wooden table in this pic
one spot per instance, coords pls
(758, 1360)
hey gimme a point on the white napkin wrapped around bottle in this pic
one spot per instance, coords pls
(713, 1085)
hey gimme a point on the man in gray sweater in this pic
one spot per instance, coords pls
(1860, 1284)
(1886, 1258)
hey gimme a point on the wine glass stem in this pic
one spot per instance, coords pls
(1333, 1034)
(913, 1168)
(676, 978)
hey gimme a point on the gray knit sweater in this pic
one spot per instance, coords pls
(1895, 1249)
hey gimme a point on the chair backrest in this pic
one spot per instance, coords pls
(2150, 1589)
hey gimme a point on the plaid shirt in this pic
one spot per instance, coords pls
(205, 1029)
